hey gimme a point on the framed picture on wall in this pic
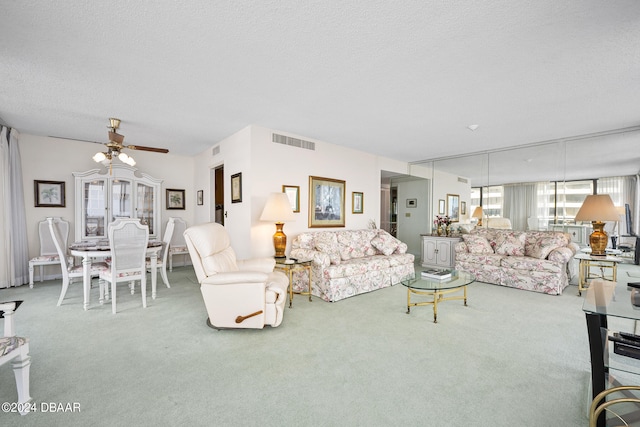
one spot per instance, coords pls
(236, 188)
(412, 203)
(357, 202)
(293, 193)
(49, 194)
(441, 207)
(453, 207)
(326, 202)
(200, 197)
(463, 208)
(175, 199)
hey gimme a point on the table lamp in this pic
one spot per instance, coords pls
(477, 213)
(278, 209)
(597, 208)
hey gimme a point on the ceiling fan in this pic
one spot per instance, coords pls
(115, 146)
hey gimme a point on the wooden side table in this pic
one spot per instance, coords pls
(289, 268)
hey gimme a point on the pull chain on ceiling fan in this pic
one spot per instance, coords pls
(115, 147)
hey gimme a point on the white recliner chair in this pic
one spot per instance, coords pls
(236, 293)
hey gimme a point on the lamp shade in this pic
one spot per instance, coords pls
(477, 213)
(598, 207)
(277, 209)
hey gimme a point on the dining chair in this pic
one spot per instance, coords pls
(178, 246)
(128, 241)
(161, 263)
(15, 349)
(48, 252)
(70, 271)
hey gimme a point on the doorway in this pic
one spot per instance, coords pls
(218, 195)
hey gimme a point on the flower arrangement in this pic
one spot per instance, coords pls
(442, 221)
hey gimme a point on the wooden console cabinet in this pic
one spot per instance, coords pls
(438, 251)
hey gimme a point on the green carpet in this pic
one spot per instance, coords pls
(510, 358)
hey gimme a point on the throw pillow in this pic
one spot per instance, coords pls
(511, 243)
(543, 247)
(328, 243)
(477, 244)
(385, 243)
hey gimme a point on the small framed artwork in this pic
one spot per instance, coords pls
(236, 188)
(441, 207)
(49, 194)
(200, 197)
(293, 193)
(357, 202)
(463, 208)
(175, 199)
(326, 202)
(412, 203)
(453, 207)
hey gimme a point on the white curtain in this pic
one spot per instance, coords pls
(519, 203)
(14, 252)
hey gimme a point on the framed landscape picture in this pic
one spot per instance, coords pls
(49, 194)
(326, 202)
(175, 199)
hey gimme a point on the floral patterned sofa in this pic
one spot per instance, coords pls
(533, 260)
(351, 262)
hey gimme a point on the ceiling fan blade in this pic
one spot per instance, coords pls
(143, 148)
(116, 137)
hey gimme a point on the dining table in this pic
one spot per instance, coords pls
(89, 249)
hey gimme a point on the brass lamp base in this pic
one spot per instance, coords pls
(598, 239)
(280, 241)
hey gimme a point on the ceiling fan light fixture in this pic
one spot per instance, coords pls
(99, 156)
(114, 123)
(124, 158)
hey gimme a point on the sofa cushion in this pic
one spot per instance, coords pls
(356, 243)
(477, 244)
(530, 264)
(510, 243)
(539, 245)
(327, 242)
(480, 259)
(385, 243)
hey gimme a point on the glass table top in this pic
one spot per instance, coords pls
(611, 299)
(458, 279)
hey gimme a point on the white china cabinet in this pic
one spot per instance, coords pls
(103, 195)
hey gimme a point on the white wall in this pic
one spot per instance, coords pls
(53, 159)
(267, 166)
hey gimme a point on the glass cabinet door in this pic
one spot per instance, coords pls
(102, 197)
(121, 199)
(94, 208)
(144, 206)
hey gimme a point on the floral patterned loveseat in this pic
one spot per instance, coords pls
(533, 260)
(351, 262)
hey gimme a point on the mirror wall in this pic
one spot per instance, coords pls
(515, 180)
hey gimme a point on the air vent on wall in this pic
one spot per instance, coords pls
(215, 150)
(464, 180)
(294, 142)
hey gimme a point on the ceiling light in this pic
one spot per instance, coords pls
(473, 127)
(98, 157)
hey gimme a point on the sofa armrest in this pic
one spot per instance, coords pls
(561, 255)
(318, 258)
(461, 247)
(233, 278)
(264, 264)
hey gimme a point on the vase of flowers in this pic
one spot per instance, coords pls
(442, 224)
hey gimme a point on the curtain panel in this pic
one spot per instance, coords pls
(14, 251)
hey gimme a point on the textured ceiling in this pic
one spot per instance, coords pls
(400, 79)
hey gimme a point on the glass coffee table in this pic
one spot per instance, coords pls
(438, 290)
